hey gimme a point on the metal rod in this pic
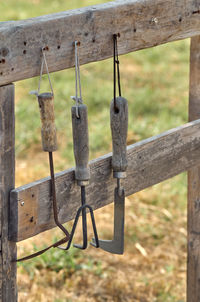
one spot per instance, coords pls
(84, 221)
(53, 192)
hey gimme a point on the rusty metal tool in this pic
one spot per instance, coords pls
(119, 123)
(119, 127)
(49, 144)
(81, 154)
(82, 173)
(49, 138)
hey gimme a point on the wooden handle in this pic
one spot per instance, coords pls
(48, 132)
(81, 143)
(119, 128)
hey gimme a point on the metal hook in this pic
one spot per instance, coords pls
(76, 98)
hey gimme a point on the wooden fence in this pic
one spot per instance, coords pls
(141, 24)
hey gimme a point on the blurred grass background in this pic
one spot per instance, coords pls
(155, 82)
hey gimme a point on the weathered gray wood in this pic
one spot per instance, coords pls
(141, 24)
(149, 162)
(193, 263)
(119, 128)
(81, 142)
(8, 287)
(48, 131)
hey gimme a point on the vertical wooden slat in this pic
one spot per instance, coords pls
(193, 265)
(8, 287)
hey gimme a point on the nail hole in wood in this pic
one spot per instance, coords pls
(24, 52)
(196, 12)
(31, 219)
(46, 48)
(3, 61)
(4, 51)
(180, 19)
(86, 34)
(1, 73)
(12, 69)
(58, 47)
(25, 43)
(135, 30)
(33, 195)
(93, 40)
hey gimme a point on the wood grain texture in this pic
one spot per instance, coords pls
(149, 162)
(48, 131)
(119, 128)
(8, 286)
(193, 268)
(81, 142)
(141, 24)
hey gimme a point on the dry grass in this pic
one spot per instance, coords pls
(153, 267)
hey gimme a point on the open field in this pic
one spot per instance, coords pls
(153, 268)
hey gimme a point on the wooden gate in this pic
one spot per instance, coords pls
(141, 24)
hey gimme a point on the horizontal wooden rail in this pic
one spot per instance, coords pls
(141, 24)
(149, 162)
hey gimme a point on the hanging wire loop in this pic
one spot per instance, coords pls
(78, 97)
(44, 61)
(116, 70)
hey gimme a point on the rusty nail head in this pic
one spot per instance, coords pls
(45, 48)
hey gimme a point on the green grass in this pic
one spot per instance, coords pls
(23, 9)
(56, 260)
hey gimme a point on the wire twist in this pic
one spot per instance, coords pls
(77, 98)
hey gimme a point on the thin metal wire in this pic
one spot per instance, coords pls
(41, 72)
(78, 97)
(44, 60)
(77, 72)
(116, 73)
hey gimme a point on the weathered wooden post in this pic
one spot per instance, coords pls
(193, 263)
(8, 287)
